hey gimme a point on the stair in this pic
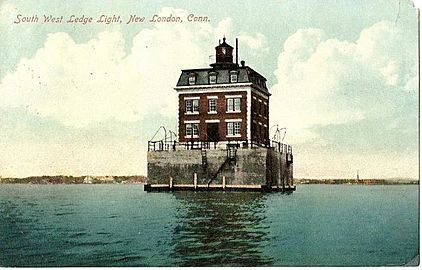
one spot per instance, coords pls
(204, 159)
(232, 154)
(219, 170)
(231, 159)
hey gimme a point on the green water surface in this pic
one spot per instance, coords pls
(121, 225)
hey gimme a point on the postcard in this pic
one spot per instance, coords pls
(209, 133)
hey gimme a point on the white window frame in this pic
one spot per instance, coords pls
(192, 79)
(192, 106)
(213, 78)
(233, 104)
(233, 78)
(210, 109)
(233, 129)
(265, 109)
(191, 130)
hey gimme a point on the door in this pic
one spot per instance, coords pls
(212, 132)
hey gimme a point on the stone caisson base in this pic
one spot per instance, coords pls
(260, 169)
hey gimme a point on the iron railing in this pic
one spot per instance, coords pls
(167, 145)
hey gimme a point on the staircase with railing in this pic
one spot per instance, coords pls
(230, 159)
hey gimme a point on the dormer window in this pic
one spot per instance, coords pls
(213, 78)
(192, 78)
(233, 76)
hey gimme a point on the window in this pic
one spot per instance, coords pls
(255, 130)
(254, 105)
(233, 104)
(212, 105)
(262, 133)
(265, 110)
(192, 105)
(233, 129)
(233, 76)
(192, 130)
(192, 79)
(213, 78)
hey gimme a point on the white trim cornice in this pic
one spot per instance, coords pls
(206, 86)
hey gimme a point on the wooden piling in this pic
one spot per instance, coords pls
(279, 174)
(195, 180)
(224, 182)
(171, 182)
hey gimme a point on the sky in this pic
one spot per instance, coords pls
(84, 99)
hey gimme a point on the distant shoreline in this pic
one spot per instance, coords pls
(357, 182)
(63, 179)
(140, 179)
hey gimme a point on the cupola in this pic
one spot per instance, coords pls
(223, 55)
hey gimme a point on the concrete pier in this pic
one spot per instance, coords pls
(258, 169)
(259, 188)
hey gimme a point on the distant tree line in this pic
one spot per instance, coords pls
(65, 179)
(355, 181)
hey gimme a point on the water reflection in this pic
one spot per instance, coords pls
(220, 229)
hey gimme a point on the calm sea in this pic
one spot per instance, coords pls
(121, 225)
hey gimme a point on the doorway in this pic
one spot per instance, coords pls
(212, 132)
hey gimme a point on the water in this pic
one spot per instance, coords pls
(120, 225)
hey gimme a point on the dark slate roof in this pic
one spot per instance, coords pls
(224, 44)
(245, 75)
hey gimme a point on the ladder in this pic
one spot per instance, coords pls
(204, 159)
(231, 154)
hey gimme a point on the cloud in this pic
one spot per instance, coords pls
(254, 42)
(89, 107)
(7, 12)
(109, 158)
(324, 81)
(33, 145)
(82, 83)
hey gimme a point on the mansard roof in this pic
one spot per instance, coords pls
(245, 75)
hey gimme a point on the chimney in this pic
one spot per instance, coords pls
(242, 63)
(237, 53)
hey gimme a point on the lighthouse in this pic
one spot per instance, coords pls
(223, 103)
(222, 138)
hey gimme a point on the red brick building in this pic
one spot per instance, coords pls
(226, 102)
